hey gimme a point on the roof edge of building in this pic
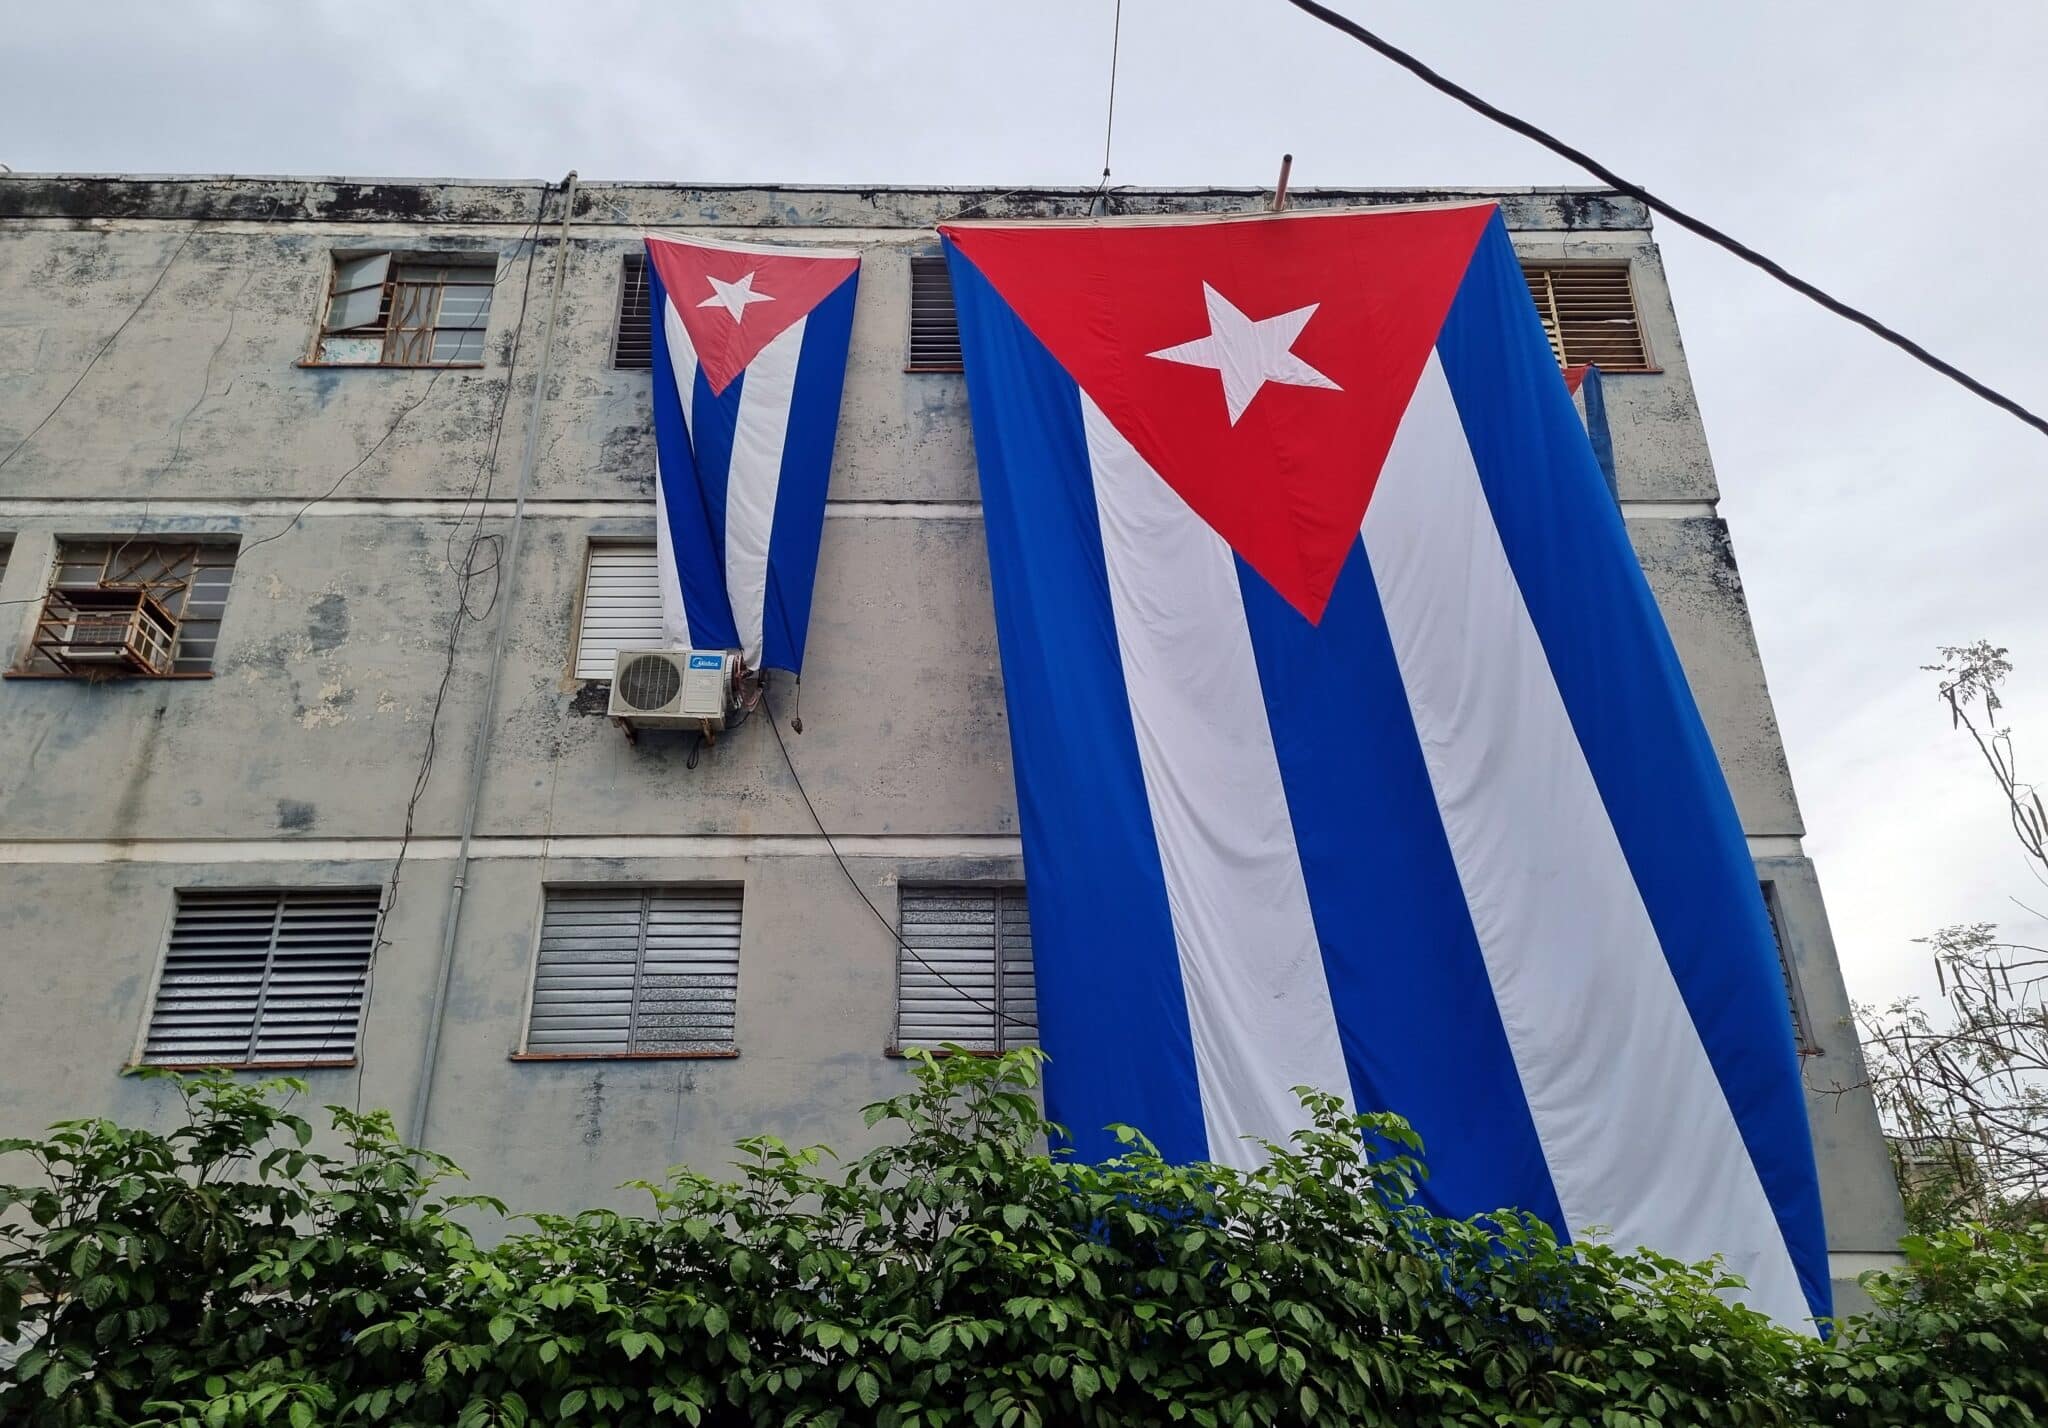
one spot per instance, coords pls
(650, 204)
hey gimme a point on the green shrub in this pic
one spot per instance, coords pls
(226, 1274)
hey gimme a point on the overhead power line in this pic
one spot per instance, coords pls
(1657, 205)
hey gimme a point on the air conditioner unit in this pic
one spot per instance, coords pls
(110, 629)
(675, 689)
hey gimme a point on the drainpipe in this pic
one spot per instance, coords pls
(451, 921)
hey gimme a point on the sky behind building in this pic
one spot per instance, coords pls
(1888, 151)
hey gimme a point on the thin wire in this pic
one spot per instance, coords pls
(854, 883)
(1657, 205)
(101, 350)
(410, 407)
(461, 615)
(1116, 35)
(983, 203)
(178, 443)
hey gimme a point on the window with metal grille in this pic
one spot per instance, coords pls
(934, 326)
(621, 607)
(263, 977)
(1589, 315)
(132, 608)
(964, 969)
(633, 342)
(636, 972)
(1795, 995)
(407, 310)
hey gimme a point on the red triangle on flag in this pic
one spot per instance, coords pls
(734, 299)
(1260, 365)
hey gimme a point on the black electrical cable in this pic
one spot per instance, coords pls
(461, 615)
(1116, 38)
(854, 883)
(529, 242)
(1657, 205)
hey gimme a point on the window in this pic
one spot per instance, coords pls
(1795, 995)
(1589, 314)
(132, 608)
(6, 549)
(1588, 310)
(621, 607)
(934, 326)
(633, 342)
(407, 310)
(964, 969)
(636, 972)
(263, 977)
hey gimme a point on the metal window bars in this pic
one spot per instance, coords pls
(132, 608)
(387, 313)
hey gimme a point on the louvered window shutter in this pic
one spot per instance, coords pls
(964, 971)
(934, 326)
(1589, 314)
(263, 977)
(621, 607)
(637, 972)
(633, 342)
(1795, 995)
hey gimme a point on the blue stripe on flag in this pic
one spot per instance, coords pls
(1637, 724)
(1422, 1034)
(699, 544)
(1112, 1011)
(806, 472)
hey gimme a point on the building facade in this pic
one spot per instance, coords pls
(309, 488)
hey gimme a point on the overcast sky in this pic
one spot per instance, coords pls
(1890, 151)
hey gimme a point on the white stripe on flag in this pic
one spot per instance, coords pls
(751, 482)
(682, 355)
(1637, 1133)
(1258, 1003)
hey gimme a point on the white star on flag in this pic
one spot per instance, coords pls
(734, 297)
(1247, 354)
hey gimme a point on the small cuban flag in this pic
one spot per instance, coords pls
(1351, 750)
(749, 359)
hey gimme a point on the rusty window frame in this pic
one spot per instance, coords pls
(1590, 314)
(632, 331)
(188, 579)
(415, 287)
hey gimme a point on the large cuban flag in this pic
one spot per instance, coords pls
(749, 358)
(1350, 747)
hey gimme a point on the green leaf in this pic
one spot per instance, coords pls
(1014, 1216)
(59, 1376)
(1219, 1353)
(301, 1413)
(868, 1387)
(502, 1328)
(1087, 1382)
(572, 1402)
(85, 1256)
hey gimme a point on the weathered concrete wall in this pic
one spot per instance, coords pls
(292, 765)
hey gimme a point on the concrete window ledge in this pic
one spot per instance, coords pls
(623, 1056)
(132, 1067)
